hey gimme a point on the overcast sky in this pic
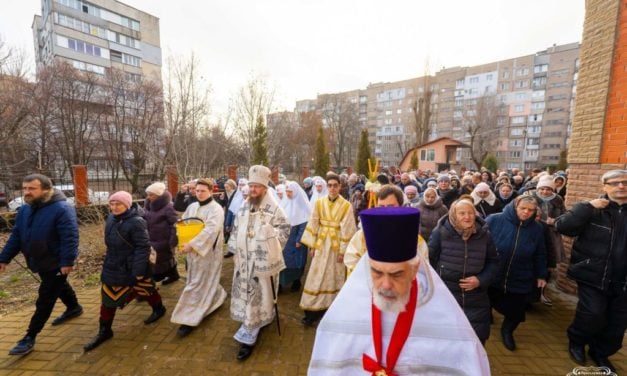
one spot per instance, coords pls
(306, 47)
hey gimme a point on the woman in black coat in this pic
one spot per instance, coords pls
(126, 273)
(520, 241)
(160, 217)
(462, 252)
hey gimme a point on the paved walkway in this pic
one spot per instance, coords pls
(138, 349)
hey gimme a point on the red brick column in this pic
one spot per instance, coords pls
(599, 134)
(172, 179)
(231, 172)
(81, 197)
(304, 173)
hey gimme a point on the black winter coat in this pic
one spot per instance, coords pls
(128, 249)
(160, 218)
(454, 259)
(522, 250)
(600, 239)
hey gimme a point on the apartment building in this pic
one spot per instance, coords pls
(98, 35)
(532, 95)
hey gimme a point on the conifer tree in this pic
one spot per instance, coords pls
(321, 159)
(413, 162)
(363, 154)
(490, 162)
(260, 147)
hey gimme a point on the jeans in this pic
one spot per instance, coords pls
(53, 285)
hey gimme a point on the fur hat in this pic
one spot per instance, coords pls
(259, 174)
(122, 197)
(157, 188)
(546, 181)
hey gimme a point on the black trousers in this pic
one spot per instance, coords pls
(600, 320)
(53, 285)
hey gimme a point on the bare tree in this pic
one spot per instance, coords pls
(479, 119)
(252, 100)
(421, 108)
(340, 115)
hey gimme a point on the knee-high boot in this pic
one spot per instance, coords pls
(507, 334)
(104, 333)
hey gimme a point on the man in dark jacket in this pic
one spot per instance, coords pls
(46, 232)
(598, 264)
(186, 196)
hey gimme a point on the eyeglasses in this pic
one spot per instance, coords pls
(617, 183)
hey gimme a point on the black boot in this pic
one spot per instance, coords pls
(507, 334)
(157, 312)
(104, 333)
(244, 351)
(173, 276)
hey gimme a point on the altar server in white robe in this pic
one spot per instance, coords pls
(394, 316)
(203, 293)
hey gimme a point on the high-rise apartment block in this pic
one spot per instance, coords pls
(532, 98)
(98, 35)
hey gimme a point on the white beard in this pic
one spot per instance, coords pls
(393, 306)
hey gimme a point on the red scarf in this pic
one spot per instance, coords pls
(399, 336)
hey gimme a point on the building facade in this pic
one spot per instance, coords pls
(527, 124)
(95, 36)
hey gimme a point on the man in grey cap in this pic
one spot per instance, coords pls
(259, 234)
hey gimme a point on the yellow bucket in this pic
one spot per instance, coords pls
(187, 229)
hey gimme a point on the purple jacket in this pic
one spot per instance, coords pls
(161, 217)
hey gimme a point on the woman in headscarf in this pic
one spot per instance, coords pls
(297, 209)
(411, 192)
(463, 253)
(485, 201)
(319, 189)
(236, 203)
(431, 210)
(506, 194)
(160, 217)
(551, 207)
(126, 273)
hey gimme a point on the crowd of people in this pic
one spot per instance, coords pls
(492, 239)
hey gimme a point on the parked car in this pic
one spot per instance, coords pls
(68, 191)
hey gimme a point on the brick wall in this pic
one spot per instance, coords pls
(599, 135)
(615, 132)
(597, 52)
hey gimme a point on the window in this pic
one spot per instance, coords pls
(540, 68)
(518, 120)
(514, 154)
(427, 155)
(519, 108)
(488, 77)
(516, 132)
(537, 105)
(539, 81)
(534, 129)
(520, 96)
(459, 83)
(505, 86)
(474, 80)
(505, 74)
(522, 72)
(533, 141)
(538, 94)
(388, 112)
(521, 84)
(559, 72)
(399, 111)
(535, 118)
(516, 143)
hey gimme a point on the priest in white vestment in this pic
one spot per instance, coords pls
(203, 293)
(257, 240)
(394, 316)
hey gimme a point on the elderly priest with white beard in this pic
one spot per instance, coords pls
(394, 316)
